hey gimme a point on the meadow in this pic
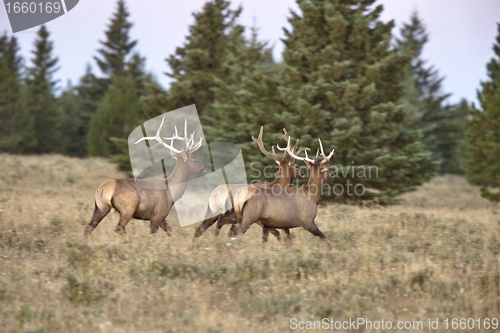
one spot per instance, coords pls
(435, 256)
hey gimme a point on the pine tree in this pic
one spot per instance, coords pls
(342, 83)
(247, 99)
(73, 123)
(117, 45)
(204, 56)
(117, 115)
(483, 132)
(41, 103)
(442, 125)
(13, 117)
(116, 58)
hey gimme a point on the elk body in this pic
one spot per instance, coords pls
(290, 208)
(220, 201)
(134, 201)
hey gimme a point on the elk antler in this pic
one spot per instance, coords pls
(263, 149)
(325, 158)
(190, 147)
(286, 137)
(291, 151)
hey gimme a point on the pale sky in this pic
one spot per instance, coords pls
(462, 33)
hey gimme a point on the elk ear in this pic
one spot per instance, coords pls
(182, 154)
(323, 169)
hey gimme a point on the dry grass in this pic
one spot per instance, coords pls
(434, 256)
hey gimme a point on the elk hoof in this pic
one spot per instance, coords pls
(120, 230)
(87, 231)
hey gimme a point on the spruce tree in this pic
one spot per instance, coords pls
(483, 132)
(115, 59)
(342, 83)
(204, 57)
(41, 103)
(442, 125)
(117, 115)
(73, 123)
(120, 66)
(247, 99)
(14, 121)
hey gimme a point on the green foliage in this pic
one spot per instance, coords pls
(13, 117)
(442, 126)
(124, 83)
(41, 102)
(204, 57)
(483, 132)
(246, 101)
(122, 157)
(341, 82)
(117, 45)
(117, 115)
(73, 123)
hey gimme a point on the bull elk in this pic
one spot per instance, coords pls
(220, 201)
(293, 207)
(133, 201)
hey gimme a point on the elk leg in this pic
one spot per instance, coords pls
(155, 224)
(220, 223)
(125, 218)
(165, 227)
(266, 231)
(234, 230)
(248, 217)
(205, 225)
(275, 232)
(228, 218)
(99, 214)
(288, 239)
(313, 229)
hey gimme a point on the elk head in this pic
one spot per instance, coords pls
(287, 165)
(183, 156)
(319, 169)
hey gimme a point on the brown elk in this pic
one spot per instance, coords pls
(134, 201)
(220, 201)
(293, 207)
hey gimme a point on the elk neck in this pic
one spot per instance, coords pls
(178, 179)
(284, 177)
(314, 186)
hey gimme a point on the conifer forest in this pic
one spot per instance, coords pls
(403, 231)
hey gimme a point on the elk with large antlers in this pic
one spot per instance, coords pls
(293, 207)
(133, 201)
(220, 201)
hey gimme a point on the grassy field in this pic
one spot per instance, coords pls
(433, 256)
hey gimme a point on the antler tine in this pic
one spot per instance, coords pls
(325, 158)
(262, 148)
(158, 138)
(196, 147)
(184, 138)
(291, 152)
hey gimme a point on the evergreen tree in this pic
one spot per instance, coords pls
(483, 132)
(73, 123)
(442, 125)
(247, 99)
(13, 117)
(117, 115)
(41, 103)
(204, 57)
(116, 59)
(111, 125)
(342, 83)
